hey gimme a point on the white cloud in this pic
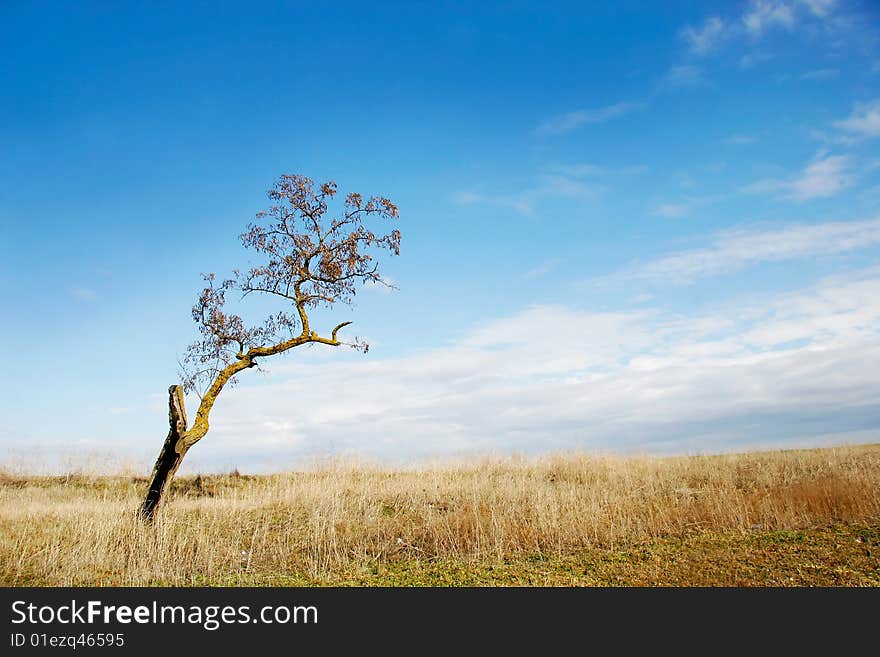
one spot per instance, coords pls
(466, 198)
(570, 121)
(758, 18)
(520, 203)
(864, 120)
(734, 250)
(764, 14)
(582, 170)
(548, 186)
(558, 186)
(833, 140)
(541, 270)
(705, 38)
(819, 7)
(687, 204)
(82, 293)
(684, 76)
(585, 170)
(798, 367)
(822, 178)
(385, 285)
(752, 59)
(672, 210)
(820, 74)
(825, 176)
(685, 180)
(740, 140)
(633, 169)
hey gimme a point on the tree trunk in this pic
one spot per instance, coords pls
(169, 458)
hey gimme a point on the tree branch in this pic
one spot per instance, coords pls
(333, 335)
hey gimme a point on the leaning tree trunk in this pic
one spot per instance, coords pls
(171, 455)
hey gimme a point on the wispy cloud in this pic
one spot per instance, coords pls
(752, 59)
(672, 210)
(825, 176)
(587, 170)
(864, 120)
(685, 206)
(385, 285)
(740, 140)
(758, 18)
(685, 180)
(565, 123)
(633, 169)
(546, 187)
(820, 74)
(558, 186)
(734, 250)
(581, 170)
(84, 294)
(541, 270)
(706, 37)
(819, 7)
(764, 14)
(466, 198)
(684, 76)
(836, 139)
(518, 202)
(555, 377)
(822, 178)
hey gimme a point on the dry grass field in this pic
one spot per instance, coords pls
(806, 517)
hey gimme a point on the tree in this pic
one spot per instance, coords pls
(309, 259)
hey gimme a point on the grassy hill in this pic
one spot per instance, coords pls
(804, 517)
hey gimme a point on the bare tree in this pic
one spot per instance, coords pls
(309, 258)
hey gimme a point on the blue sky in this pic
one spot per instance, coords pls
(636, 228)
